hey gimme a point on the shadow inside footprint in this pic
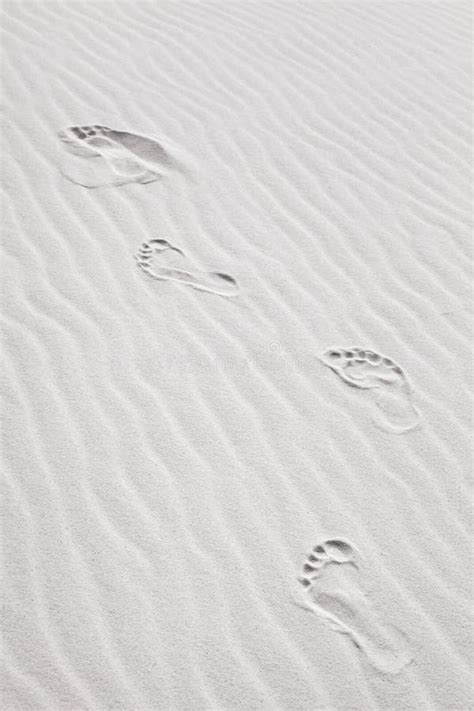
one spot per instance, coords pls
(151, 259)
(120, 157)
(367, 370)
(332, 590)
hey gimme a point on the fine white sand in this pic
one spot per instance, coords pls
(186, 413)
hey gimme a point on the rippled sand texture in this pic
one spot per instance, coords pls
(171, 458)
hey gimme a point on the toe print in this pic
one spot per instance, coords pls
(320, 551)
(74, 141)
(368, 370)
(334, 592)
(373, 357)
(339, 550)
(123, 157)
(335, 550)
(151, 258)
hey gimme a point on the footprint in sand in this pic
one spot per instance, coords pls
(367, 370)
(154, 259)
(119, 157)
(331, 588)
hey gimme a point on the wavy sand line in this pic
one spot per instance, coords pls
(167, 457)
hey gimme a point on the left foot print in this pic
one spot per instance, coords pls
(148, 259)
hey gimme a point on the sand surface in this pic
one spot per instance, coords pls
(237, 323)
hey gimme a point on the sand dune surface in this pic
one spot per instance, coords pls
(214, 500)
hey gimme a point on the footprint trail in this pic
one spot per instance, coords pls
(367, 370)
(152, 254)
(119, 157)
(331, 588)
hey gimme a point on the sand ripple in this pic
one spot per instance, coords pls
(170, 456)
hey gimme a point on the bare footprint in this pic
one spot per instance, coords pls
(121, 157)
(151, 258)
(365, 369)
(330, 587)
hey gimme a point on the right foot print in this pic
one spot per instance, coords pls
(331, 589)
(124, 157)
(150, 254)
(365, 369)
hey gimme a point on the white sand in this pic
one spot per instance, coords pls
(171, 454)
